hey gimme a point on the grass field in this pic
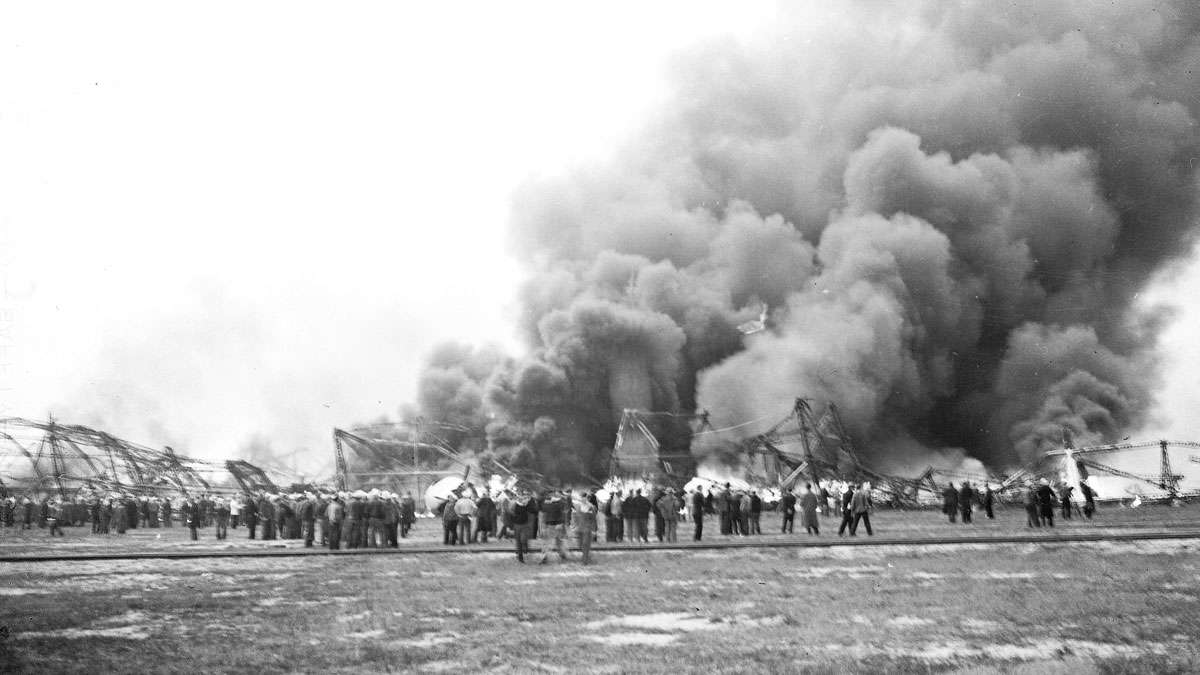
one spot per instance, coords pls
(1035, 607)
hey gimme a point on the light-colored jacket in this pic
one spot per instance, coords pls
(335, 512)
(668, 507)
(860, 502)
(465, 507)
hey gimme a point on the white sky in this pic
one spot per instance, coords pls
(219, 219)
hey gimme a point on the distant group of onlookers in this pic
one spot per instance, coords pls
(471, 515)
(1041, 501)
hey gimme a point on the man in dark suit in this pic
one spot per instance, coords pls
(1045, 500)
(966, 501)
(787, 506)
(847, 515)
(698, 506)
(950, 502)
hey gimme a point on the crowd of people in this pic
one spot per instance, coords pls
(1039, 498)
(352, 520)
(470, 515)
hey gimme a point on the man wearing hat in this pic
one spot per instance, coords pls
(1046, 499)
(266, 516)
(724, 503)
(465, 509)
(523, 508)
(668, 508)
(308, 518)
(335, 512)
(193, 516)
(485, 517)
(376, 537)
(449, 519)
(355, 510)
(408, 513)
(250, 513)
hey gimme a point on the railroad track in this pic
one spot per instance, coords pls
(829, 541)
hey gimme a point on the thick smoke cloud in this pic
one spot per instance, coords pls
(949, 209)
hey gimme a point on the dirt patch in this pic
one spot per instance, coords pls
(124, 632)
(128, 626)
(1147, 547)
(25, 591)
(664, 621)
(909, 622)
(856, 572)
(949, 652)
(641, 639)
(1004, 575)
(573, 573)
(428, 641)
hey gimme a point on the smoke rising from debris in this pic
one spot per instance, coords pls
(949, 210)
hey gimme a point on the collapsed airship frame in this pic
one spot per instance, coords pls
(55, 459)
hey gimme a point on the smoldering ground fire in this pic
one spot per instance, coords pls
(949, 209)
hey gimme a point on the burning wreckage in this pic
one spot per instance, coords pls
(69, 460)
(800, 447)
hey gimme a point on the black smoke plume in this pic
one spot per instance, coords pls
(949, 209)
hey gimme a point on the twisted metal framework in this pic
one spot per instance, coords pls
(638, 452)
(381, 456)
(53, 458)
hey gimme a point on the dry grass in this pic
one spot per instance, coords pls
(1068, 608)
